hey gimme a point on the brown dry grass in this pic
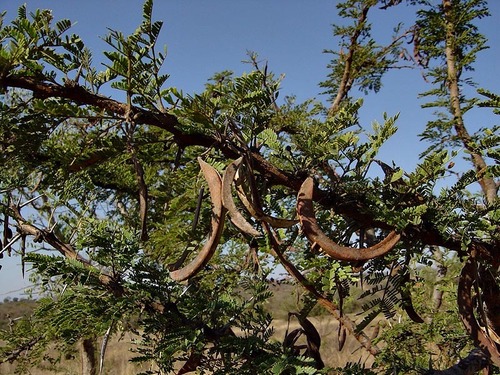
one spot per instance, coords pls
(11, 310)
(117, 362)
(285, 299)
(119, 352)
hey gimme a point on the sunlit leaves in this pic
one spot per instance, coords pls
(381, 133)
(136, 63)
(25, 41)
(237, 108)
(108, 243)
(468, 40)
(360, 61)
(78, 156)
(457, 33)
(492, 100)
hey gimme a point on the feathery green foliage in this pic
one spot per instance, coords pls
(106, 201)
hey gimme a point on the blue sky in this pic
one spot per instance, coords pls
(205, 37)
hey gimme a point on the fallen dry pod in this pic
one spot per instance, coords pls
(218, 215)
(227, 200)
(256, 212)
(313, 232)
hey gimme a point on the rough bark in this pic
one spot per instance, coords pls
(483, 336)
(442, 270)
(89, 357)
(344, 205)
(346, 81)
(25, 228)
(488, 184)
(470, 365)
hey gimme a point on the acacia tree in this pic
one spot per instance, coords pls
(126, 192)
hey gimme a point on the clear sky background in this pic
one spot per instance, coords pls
(204, 37)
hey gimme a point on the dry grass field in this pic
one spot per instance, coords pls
(119, 349)
(119, 352)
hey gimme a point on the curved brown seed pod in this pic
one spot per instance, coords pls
(143, 196)
(313, 232)
(218, 214)
(227, 200)
(313, 340)
(291, 338)
(341, 336)
(257, 213)
(466, 310)
(408, 302)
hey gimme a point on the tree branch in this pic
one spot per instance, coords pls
(347, 323)
(346, 80)
(470, 365)
(488, 184)
(426, 232)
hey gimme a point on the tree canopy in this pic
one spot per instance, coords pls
(167, 214)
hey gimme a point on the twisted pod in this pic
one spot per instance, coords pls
(313, 232)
